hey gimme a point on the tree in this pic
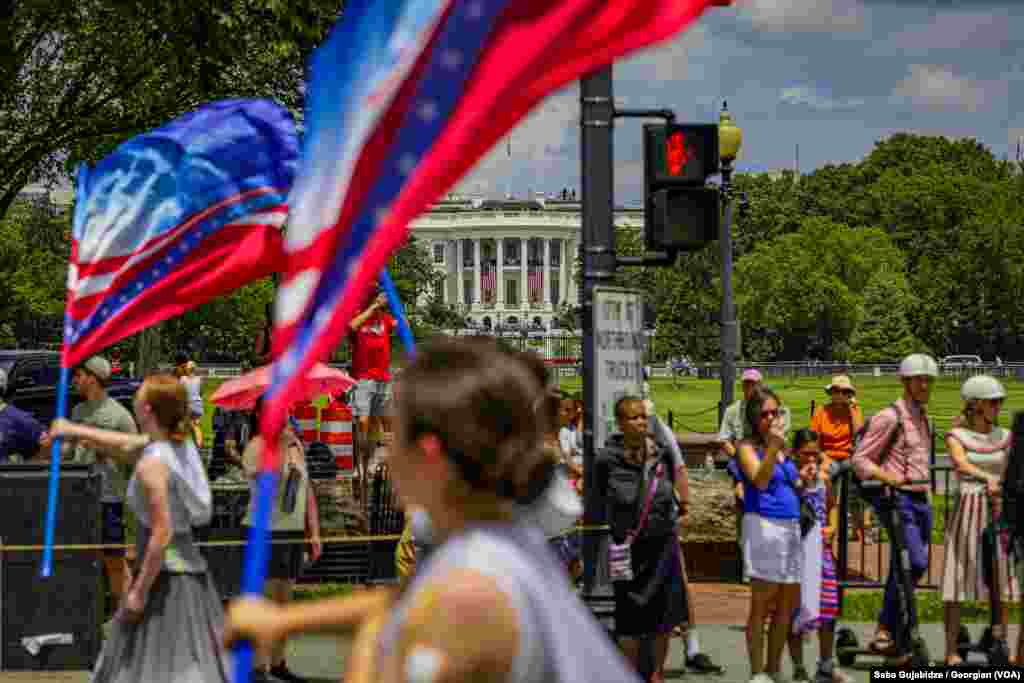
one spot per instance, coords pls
(884, 334)
(809, 285)
(77, 79)
(34, 254)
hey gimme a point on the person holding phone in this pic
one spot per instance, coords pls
(772, 547)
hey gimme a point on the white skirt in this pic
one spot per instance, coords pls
(772, 550)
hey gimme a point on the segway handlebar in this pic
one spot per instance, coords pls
(838, 469)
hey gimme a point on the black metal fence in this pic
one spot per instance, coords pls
(356, 561)
(863, 561)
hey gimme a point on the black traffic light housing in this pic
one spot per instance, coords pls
(680, 212)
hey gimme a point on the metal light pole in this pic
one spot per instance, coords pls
(597, 114)
(730, 138)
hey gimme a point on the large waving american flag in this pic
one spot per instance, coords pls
(176, 216)
(405, 96)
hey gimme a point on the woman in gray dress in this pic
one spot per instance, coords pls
(167, 628)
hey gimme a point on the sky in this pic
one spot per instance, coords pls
(832, 76)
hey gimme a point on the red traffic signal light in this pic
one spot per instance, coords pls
(680, 154)
(676, 154)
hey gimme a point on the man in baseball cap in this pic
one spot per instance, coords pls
(98, 409)
(19, 432)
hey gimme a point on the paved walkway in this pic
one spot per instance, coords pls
(321, 659)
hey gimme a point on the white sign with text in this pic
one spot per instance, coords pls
(619, 345)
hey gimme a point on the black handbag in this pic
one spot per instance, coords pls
(808, 518)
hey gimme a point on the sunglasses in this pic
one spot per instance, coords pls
(771, 414)
(844, 392)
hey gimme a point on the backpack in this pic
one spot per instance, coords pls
(858, 437)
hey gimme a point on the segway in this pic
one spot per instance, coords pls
(848, 649)
(994, 649)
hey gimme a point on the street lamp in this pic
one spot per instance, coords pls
(730, 137)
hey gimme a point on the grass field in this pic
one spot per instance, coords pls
(694, 404)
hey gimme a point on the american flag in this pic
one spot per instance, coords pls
(535, 282)
(489, 285)
(405, 97)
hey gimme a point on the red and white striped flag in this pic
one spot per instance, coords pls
(535, 280)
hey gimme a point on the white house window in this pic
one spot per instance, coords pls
(512, 292)
(439, 253)
(439, 291)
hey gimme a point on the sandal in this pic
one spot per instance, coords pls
(883, 642)
(899, 661)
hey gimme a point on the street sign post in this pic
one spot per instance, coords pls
(619, 345)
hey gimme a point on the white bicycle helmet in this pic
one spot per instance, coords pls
(982, 388)
(918, 364)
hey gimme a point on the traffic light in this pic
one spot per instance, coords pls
(680, 212)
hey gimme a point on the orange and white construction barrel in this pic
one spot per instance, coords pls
(307, 415)
(336, 433)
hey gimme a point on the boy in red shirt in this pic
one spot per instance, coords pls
(370, 340)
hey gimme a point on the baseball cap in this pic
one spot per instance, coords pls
(752, 375)
(98, 366)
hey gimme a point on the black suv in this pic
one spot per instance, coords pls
(32, 378)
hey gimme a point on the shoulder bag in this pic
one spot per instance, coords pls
(620, 555)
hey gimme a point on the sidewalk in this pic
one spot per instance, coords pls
(321, 658)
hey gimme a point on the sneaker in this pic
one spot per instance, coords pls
(283, 673)
(701, 663)
(762, 678)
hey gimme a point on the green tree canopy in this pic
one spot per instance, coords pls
(884, 333)
(78, 78)
(813, 281)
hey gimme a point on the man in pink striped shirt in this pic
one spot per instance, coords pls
(895, 450)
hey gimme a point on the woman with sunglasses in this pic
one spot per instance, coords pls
(979, 450)
(772, 548)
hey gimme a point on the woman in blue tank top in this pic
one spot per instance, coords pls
(487, 605)
(771, 532)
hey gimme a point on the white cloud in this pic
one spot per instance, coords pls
(669, 60)
(540, 144)
(938, 88)
(808, 96)
(947, 30)
(799, 16)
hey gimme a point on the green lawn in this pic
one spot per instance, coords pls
(694, 405)
(864, 605)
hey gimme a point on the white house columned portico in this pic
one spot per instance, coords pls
(508, 262)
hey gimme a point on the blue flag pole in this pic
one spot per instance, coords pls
(257, 556)
(395, 304)
(54, 483)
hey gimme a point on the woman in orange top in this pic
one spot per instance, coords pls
(836, 423)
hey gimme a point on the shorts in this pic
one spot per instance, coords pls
(772, 549)
(113, 528)
(370, 398)
(285, 558)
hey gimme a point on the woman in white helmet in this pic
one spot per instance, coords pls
(979, 449)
